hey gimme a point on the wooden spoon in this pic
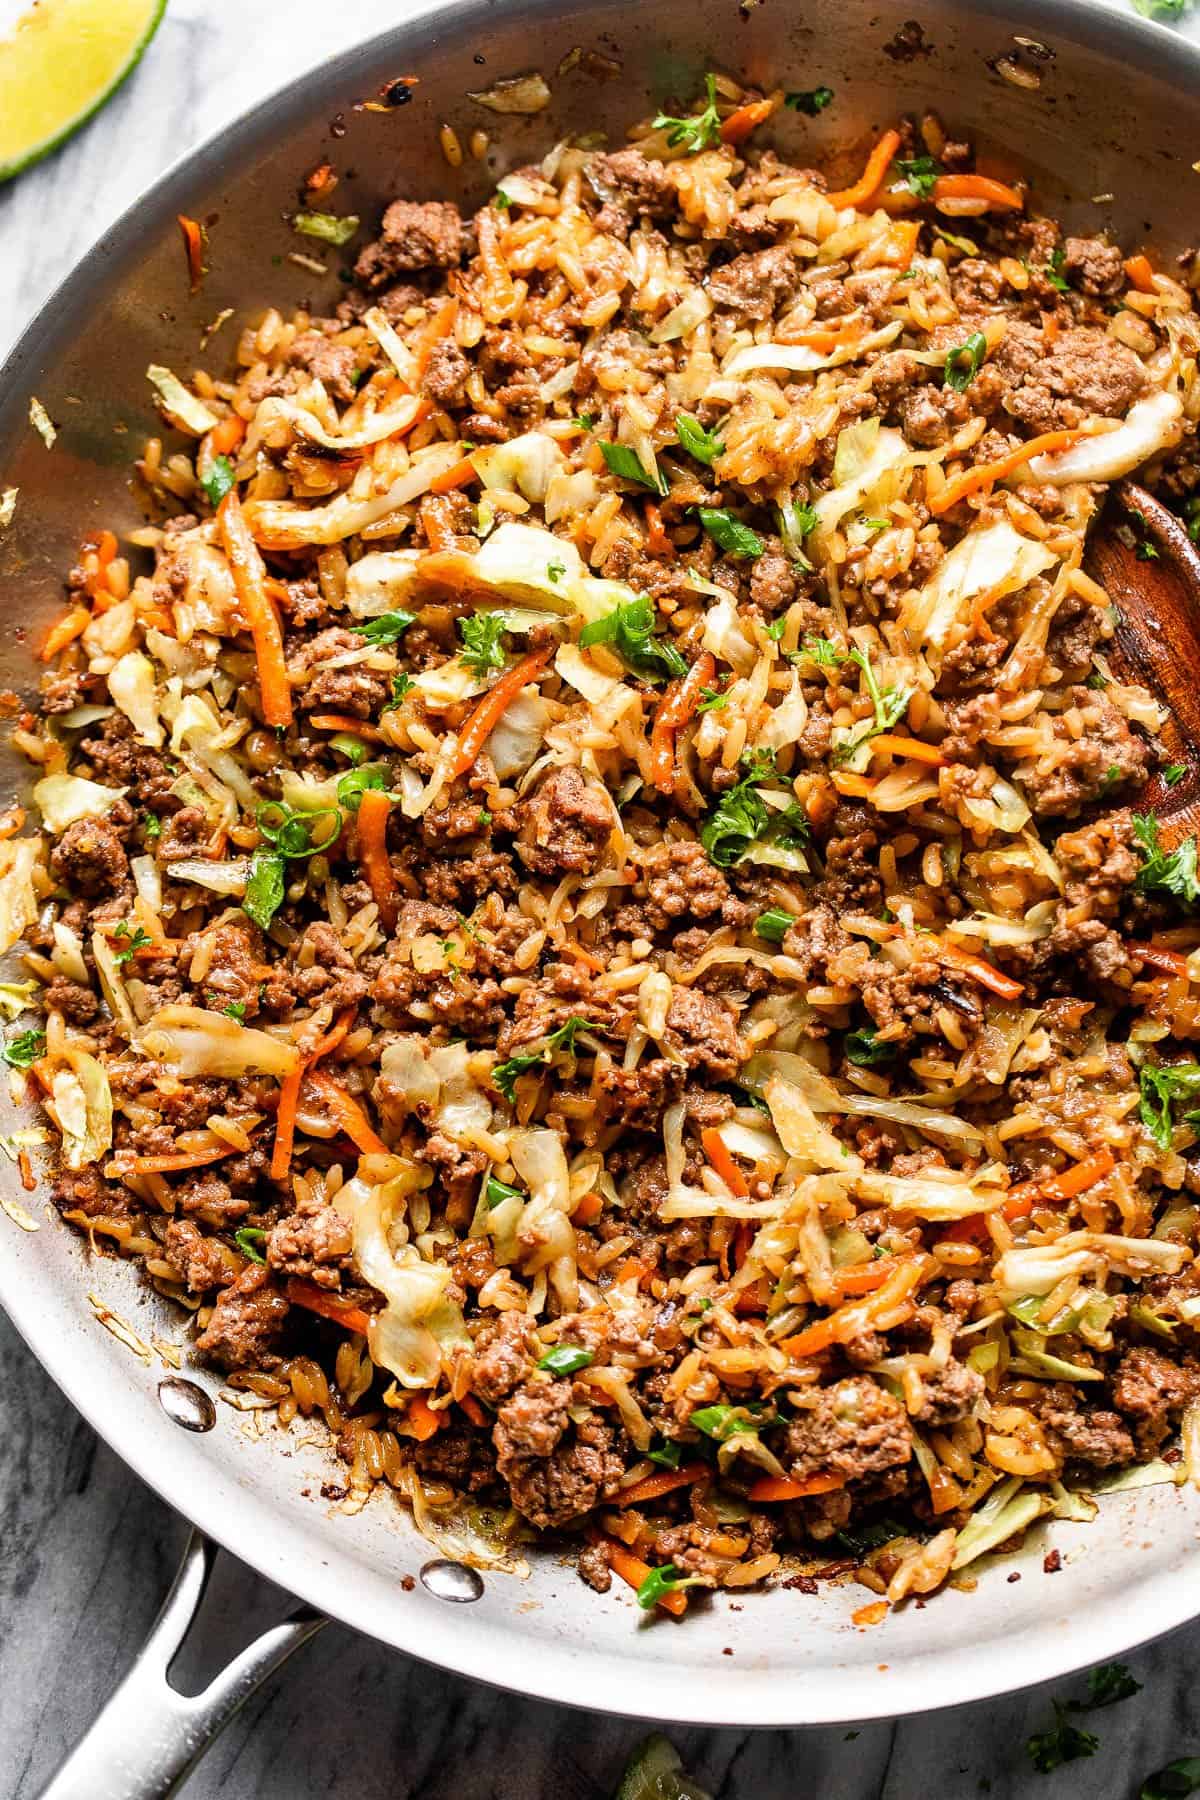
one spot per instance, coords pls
(1141, 554)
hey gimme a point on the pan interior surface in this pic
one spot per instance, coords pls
(1107, 121)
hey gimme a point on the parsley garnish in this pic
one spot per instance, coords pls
(889, 704)
(628, 465)
(735, 539)
(236, 1010)
(402, 685)
(481, 635)
(1161, 1084)
(585, 421)
(742, 817)
(22, 1051)
(1173, 873)
(920, 173)
(556, 570)
(712, 699)
(704, 445)
(1181, 1777)
(1062, 1743)
(822, 650)
(219, 480)
(1174, 772)
(630, 631)
(1106, 1685)
(386, 628)
(699, 131)
(504, 1075)
(669, 1456)
(963, 363)
(1112, 775)
(565, 1359)
(864, 1049)
(812, 102)
(151, 825)
(133, 939)
(1053, 272)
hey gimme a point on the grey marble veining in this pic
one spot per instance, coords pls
(87, 1553)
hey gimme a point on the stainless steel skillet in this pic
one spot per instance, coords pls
(1102, 105)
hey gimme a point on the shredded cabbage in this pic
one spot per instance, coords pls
(19, 857)
(63, 800)
(198, 1042)
(993, 560)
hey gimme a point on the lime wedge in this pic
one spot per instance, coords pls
(60, 64)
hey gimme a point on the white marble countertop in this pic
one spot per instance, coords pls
(87, 1553)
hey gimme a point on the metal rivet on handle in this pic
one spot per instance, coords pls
(186, 1404)
(452, 1580)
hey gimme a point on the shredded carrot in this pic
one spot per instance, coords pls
(864, 1278)
(978, 187)
(676, 707)
(1075, 1180)
(346, 722)
(285, 1123)
(903, 1275)
(492, 707)
(458, 475)
(438, 533)
(872, 176)
(858, 787)
(1157, 956)
(307, 1294)
(28, 1178)
(723, 1162)
(473, 1410)
(184, 1159)
(900, 745)
(423, 1422)
(348, 1114)
(439, 327)
(657, 541)
(775, 1487)
(373, 813)
(227, 434)
(738, 126)
(1140, 273)
(655, 1486)
(812, 1340)
(588, 1210)
(985, 475)
(587, 957)
(193, 247)
(249, 579)
(985, 973)
(69, 627)
(632, 1569)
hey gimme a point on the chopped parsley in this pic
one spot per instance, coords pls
(1106, 1685)
(264, 887)
(219, 480)
(630, 632)
(699, 131)
(627, 464)
(1053, 271)
(963, 363)
(889, 706)
(248, 1238)
(812, 101)
(236, 1010)
(151, 825)
(22, 1051)
(505, 1074)
(712, 699)
(1165, 872)
(774, 924)
(1173, 773)
(1181, 1777)
(864, 1049)
(565, 1359)
(1112, 775)
(821, 650)
(402, 686)
(555, 571)
(481, 634)
(742, 817)
(776, 629)
(661, 1582)
(668, 1456)
(386, 628)
(133, 939)
(704, 445)
(1062, 1743)
(734, 538)
(585, 421)
(920, 173)
(1161, 1084)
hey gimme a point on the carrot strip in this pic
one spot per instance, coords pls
(285, 1124)
(473, 1410)
(67, 629)
(987, 474)
(655, 1486)
(862, 1279)
(227, 435)
(440, 326)
(588, 1210)
(903, 1275)
(858, 787)
(738, 126)
(1156, 956)
(193, 248)
(872, 176)
(721, 1160)
(632, 1569)
(584, 956)
(346, 722)
(774, 1487)
(811, 1341)
(307, 1294)
(373, 812)
(249, 579)
(492, 707)
(900, 745)
(676, 707)
(422, 1420)
(1140, 273)
(28, 1178)
(184, 1159)
(348, 1114)
(978, 187)
(458, 475)
(437, 532)
(1075, 1180)
(657, 541)
(985, 973)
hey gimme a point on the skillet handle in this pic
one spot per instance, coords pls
(149, 1738)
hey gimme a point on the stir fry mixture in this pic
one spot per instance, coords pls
(593, 910)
